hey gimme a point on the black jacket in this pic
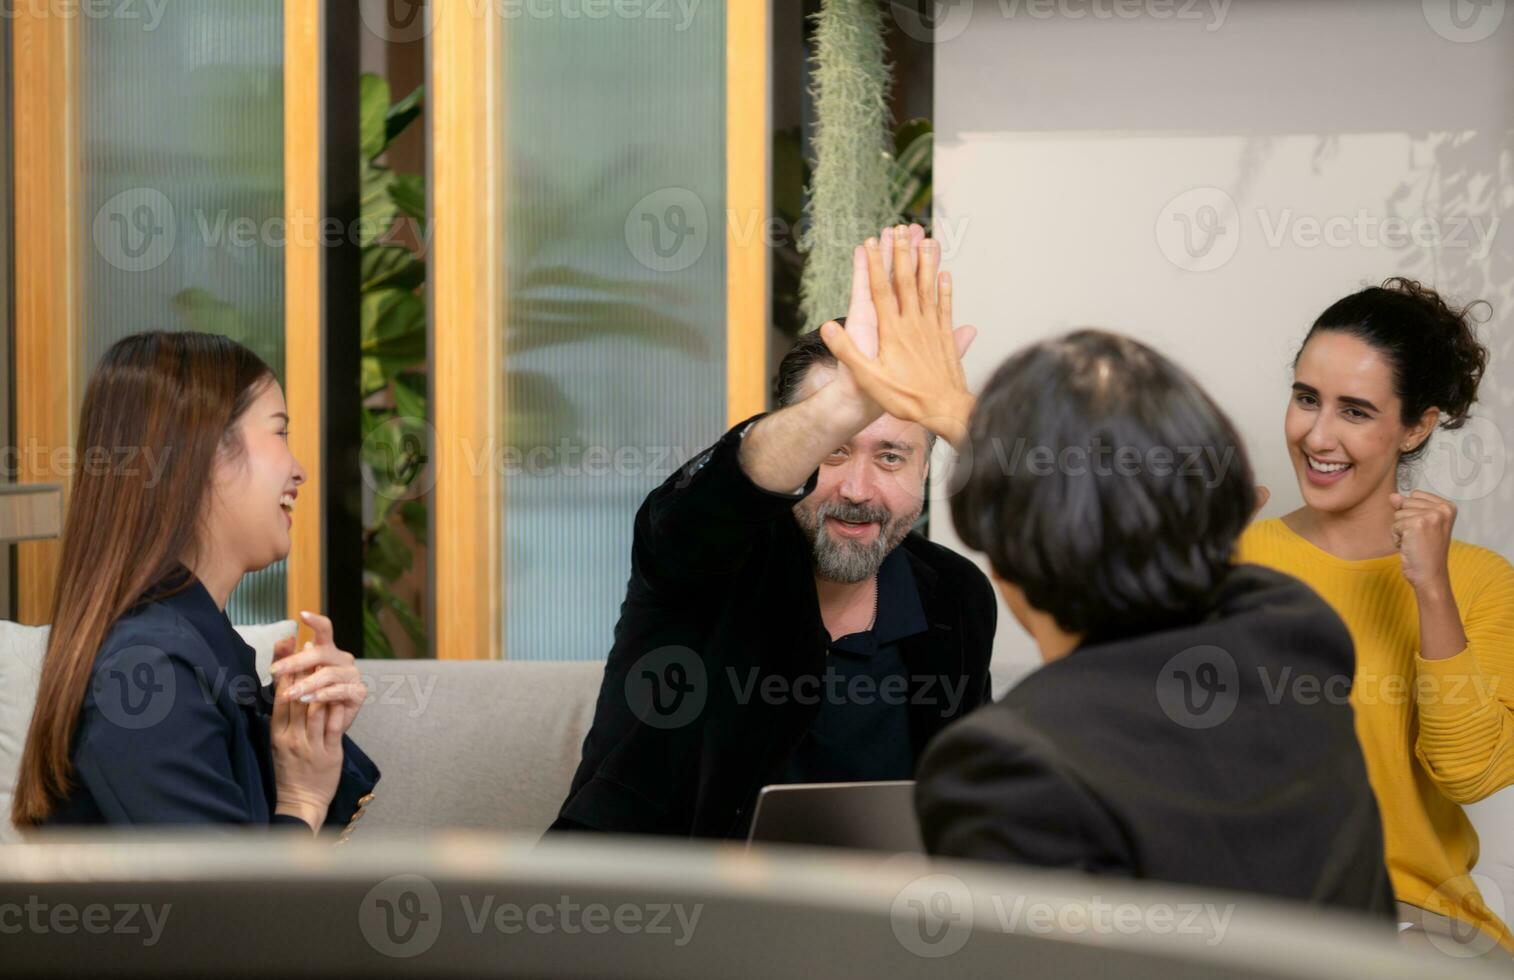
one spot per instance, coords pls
(1218, 754)
(175, 727)
(698, 709)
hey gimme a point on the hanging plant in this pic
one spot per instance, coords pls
(850, 185)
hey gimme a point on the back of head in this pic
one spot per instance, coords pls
(158, 410)
(1103, 481)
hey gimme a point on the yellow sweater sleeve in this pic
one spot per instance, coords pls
(1466, 702)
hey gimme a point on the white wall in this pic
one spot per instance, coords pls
(1076, 136)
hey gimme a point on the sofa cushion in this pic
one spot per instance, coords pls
(21, 652)
(486, 745)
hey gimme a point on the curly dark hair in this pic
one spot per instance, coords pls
(1430, 345)
(1136, 544)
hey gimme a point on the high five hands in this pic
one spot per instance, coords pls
(916, 373)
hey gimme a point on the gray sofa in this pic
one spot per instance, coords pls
(493, 746)
(489, 746)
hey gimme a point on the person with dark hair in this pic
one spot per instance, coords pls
(1107, 491)
(1432, 617)
(783, 623)
(150, 711)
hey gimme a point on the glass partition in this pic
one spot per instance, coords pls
(182, 157)
(615, 333)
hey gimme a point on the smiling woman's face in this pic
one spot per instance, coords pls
(1343, 423)
(254, 490)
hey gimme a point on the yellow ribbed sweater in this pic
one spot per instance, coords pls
(1436, 733)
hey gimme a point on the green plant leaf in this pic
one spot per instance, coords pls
(409, 193)
(409, 402)
(376, 208)
(908, 132)
(373, 112)
(408, 620)
(403, 113)
(376, 645)
(392, 266)
(387, 556)
(413, 516)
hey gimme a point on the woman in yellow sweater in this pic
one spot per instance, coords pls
(1432, 617)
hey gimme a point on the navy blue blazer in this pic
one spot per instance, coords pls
(175, 727)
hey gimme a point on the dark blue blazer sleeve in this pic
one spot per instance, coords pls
(154, 748)
(359, 776)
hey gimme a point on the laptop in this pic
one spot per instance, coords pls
(874, 816)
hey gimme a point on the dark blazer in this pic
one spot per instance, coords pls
(721, 606)
(1203, 754)
(175, 727)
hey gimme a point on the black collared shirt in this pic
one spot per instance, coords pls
(861, 731)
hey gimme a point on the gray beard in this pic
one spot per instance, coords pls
(851, 561)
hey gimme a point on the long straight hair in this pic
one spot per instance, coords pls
(157, 411)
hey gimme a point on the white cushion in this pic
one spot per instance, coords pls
(21, 652)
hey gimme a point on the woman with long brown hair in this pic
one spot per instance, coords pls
(150, 710)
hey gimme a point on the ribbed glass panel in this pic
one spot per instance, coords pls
(182, 144)
(615, 329)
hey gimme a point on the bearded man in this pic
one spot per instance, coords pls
(783, 622)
